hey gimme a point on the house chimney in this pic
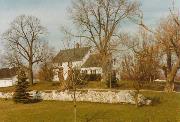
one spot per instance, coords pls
(77, 45)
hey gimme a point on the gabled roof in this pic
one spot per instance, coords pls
(74, 54)
(92, 61)
(8, 72)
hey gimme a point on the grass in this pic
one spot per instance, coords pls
(125, 85)
(148, 86)
(38, 86)
(166, 108)
(94, 85)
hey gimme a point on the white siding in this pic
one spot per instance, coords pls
(65, 67)
(76, 64)
(8, 82)
(65, 70)
(55, 77)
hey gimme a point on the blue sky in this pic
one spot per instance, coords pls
(53, 14)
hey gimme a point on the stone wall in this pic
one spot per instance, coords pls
(124, 96)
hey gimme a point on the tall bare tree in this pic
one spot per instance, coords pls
(99, 23)
(25, 39)
(168, 36)
(142, 62)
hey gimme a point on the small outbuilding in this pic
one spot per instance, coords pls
(8, 77)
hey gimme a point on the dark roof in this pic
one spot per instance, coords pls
(92, 61)
(74, 54)
(8, 72)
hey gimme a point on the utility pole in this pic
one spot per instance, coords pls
(110, 71)
(74, 89)
(110, 85)
(74, 97)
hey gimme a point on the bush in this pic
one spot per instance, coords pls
(45, 72)
(113, 81)
(91, 77)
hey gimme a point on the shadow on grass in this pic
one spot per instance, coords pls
(155, 100)
(95, 116)
(32, 101)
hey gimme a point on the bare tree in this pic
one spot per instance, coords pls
(73, 81)
(99, 23)
(45, 72)
(74, 77)
(142, 61)
(168, 36)
(131, 70)
(25, 39)
(141, 64)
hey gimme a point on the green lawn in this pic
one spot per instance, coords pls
(92, 84)
(165, 109)
(38, 86)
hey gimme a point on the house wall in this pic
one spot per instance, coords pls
(66, 68)
(55, 77)
(15, 78)
(8, 82)
(76, 64)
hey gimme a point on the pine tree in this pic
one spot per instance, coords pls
(21, 94)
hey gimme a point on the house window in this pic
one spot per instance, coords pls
(93, 71)
(114, 61)
(84, 71)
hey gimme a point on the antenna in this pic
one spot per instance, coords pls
(80, 40)
(173, 2)
(141, 23)
(74, 47)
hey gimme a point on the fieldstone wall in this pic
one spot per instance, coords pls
(124, 96)
(6, 95)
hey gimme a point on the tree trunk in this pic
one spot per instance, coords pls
(169, 87)
(30, 74)
(74, 102)
(169, 61)
(106, 67)
(105, 73)
(170, 77)
(170, 81)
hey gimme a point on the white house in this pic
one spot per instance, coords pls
(8, 77)
(65, 59)
(81, 58)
